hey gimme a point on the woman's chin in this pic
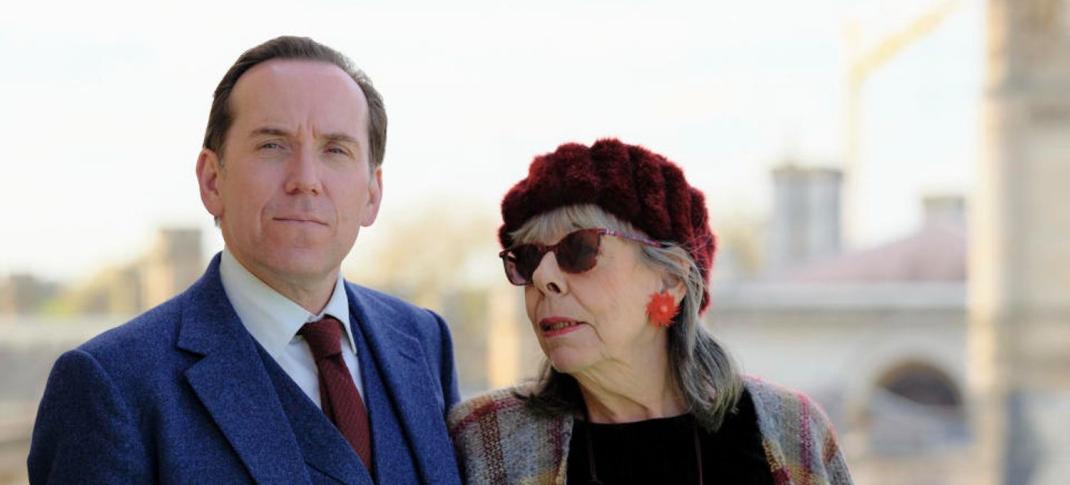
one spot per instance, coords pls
(569, 363)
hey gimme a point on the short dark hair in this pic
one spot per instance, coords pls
(290, 47)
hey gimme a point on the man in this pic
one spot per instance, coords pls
(271, 368)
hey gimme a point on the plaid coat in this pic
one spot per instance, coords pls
(499, 441)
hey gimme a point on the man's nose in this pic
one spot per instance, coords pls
(304, 172)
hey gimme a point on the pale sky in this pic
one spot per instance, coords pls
(104, 104)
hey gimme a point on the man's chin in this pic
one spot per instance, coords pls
(300, 264)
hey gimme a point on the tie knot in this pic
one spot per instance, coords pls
(323, 337)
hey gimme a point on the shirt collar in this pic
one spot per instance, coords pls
(271, 318)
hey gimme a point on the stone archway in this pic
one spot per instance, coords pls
(914, 408)
(921, 383)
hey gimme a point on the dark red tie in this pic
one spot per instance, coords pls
(339, 396)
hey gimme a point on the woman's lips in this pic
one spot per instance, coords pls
(554, 326)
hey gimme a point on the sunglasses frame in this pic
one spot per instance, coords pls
(543, 249)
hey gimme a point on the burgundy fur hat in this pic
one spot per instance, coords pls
(628, 181)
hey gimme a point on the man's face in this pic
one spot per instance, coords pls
(294, 185)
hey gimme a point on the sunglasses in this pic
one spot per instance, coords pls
(575, 253)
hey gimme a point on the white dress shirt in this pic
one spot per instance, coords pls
(274, 320)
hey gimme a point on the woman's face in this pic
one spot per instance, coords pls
(598, 317)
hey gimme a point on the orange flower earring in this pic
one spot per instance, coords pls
(661, 309)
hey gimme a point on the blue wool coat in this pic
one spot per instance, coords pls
(184, 394)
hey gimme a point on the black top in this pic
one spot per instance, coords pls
(663, 451)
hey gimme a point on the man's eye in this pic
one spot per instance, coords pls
(337, 150)
(270, 146)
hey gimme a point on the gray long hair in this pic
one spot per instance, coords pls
(702, 369)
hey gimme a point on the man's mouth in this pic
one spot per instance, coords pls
(308, 220)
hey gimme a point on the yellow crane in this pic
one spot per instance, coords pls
(859, 68)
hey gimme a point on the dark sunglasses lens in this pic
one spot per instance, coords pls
(527, 259)
(511, 271)
(578, 252)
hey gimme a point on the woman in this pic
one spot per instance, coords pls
(614, 252)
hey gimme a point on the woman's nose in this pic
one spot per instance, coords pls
(548, 277)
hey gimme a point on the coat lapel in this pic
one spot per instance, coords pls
(405, 376)
(232, 383)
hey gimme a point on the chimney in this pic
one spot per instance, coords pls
(944, 209)
(806, 215)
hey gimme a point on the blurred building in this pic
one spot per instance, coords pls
(878, 336)
(114, 290)
(173, 262)
(22, 294)
(1020, 283)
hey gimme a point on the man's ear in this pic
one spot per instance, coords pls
(375, 197)
(209, 173)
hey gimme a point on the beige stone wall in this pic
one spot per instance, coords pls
(1020, 258)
